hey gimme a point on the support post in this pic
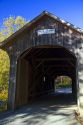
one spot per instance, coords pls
(12, 83)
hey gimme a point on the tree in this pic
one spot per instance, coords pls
(10, 25)
(4, 70)
(1, 36)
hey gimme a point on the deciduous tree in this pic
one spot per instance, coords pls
(10, 25)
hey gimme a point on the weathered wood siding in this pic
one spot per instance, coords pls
(64, 36)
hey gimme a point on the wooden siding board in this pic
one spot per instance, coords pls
(62, 37)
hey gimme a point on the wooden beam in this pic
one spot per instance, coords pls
(26, 52)
(42, 52)
(36, 52)
(59, 70)
(57, 66)
(53, 59)
(47, 70)
(38, 65)
(53, 73)
(71, 63)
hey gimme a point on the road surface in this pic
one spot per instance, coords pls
(48, 110)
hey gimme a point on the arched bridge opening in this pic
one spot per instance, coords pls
(63, 84)
(37, 69)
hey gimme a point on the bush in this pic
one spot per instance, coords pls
(3, 100)
(64, 85)
(4, 95)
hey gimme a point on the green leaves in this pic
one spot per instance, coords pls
(10, 25)
(4, 69)
(19, 22)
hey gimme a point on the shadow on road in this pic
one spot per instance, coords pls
(48, 110)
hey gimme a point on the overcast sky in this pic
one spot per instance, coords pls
(69, 10)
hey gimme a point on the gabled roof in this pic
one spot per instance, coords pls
(36, 19)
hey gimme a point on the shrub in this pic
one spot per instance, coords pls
(3, 100)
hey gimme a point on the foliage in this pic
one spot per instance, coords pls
(10, 25)
(4, 70)
(1, 36)
(63, 82)
(3, 99)
(4, 95)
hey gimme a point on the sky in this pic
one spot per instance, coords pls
(68, 10)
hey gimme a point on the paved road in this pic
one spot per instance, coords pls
(63, 90)
(50, 110)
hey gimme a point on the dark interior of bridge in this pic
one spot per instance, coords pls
(37, 69)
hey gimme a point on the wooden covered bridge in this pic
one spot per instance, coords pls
(40, 51)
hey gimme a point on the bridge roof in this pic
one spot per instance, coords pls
(28, 25)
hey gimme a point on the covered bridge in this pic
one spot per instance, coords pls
(40, 51)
